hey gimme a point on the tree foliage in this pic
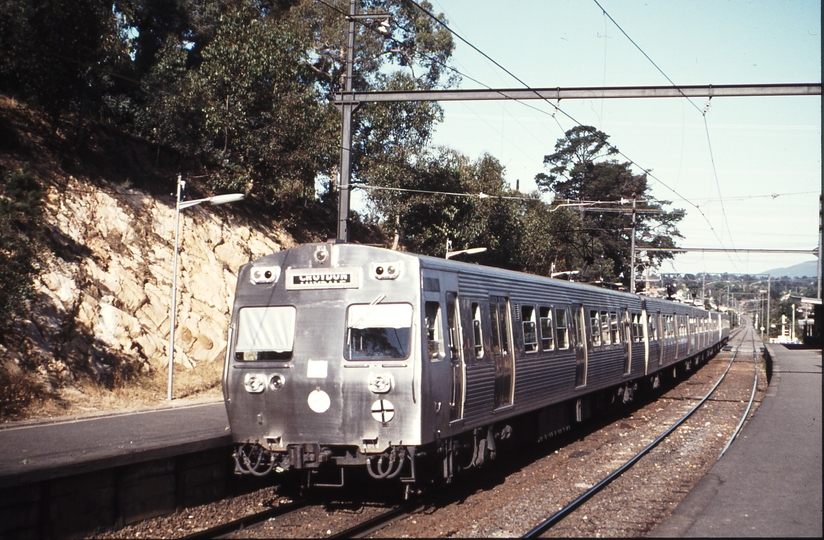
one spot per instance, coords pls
(580, 172)
(59, 55)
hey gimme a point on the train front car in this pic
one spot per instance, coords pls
(321, 371)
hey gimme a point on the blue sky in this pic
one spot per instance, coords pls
(751, 166)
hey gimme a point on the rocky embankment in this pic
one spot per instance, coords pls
(104, 295)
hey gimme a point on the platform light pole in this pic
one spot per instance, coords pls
(182, 205)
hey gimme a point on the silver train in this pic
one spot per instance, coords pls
(416, 368)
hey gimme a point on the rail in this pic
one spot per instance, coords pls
(558, 516)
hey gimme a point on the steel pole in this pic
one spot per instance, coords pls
(632, 250)
(180, 185)
(769, 278)
(347, 109)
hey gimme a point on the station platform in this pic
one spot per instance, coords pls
(768, 483)
(39, 450)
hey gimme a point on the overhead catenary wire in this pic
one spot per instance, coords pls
(646, 171)
(703, 113)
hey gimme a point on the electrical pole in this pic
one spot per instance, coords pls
(632, 249)
(347, 107)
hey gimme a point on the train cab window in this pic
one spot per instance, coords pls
(613, 328)
(378, 331)
(606, 336)
(562, 329)
(434, 331)
(530, 329)
(595, 326)
(265, 333)
(546, 328)
(476, 330)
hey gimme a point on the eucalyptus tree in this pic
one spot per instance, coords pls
(60, 56)
(581, 171)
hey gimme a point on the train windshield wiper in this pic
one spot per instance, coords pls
(369, 309)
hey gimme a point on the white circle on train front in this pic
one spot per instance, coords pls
(319, 401)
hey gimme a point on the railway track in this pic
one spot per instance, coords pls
(579, 501)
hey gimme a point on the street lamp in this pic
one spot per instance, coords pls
(182, 205)
(469, 251)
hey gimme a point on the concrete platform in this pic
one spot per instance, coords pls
(33, 451)
(769, 481)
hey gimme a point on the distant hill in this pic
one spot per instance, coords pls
(807, 268)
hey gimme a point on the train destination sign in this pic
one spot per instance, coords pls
(322, 278)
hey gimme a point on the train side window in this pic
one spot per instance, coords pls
(562, 329)
(476, 330)
(653, 334)
(605, 335)
(546, 328)
(265, 333)
(452, 323)
(434, 331)
(493, 317)
(638, 327)
(595, 326)
(500, 327)
(530, 329)
(613, 328)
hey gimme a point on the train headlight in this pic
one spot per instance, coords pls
(380, 383)
(276, 382)
(265, 274)
(386, 270)
(254, 383)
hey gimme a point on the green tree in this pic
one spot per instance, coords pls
(581, 172)
(60, 55)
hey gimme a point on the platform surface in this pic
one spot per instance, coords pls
(768, 483)
(32, 451)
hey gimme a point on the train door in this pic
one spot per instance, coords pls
(580, 337)
(440, 306)
(676, 322)
(626, 325)
(646, 336)
(455, 343)
(661, 335)
(501, 351)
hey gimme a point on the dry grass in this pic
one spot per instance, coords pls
(33, 401)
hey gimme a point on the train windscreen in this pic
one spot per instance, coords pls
(265, 333)
(378, 331)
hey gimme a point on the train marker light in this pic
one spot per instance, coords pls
(386, 270)
(265, 274)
